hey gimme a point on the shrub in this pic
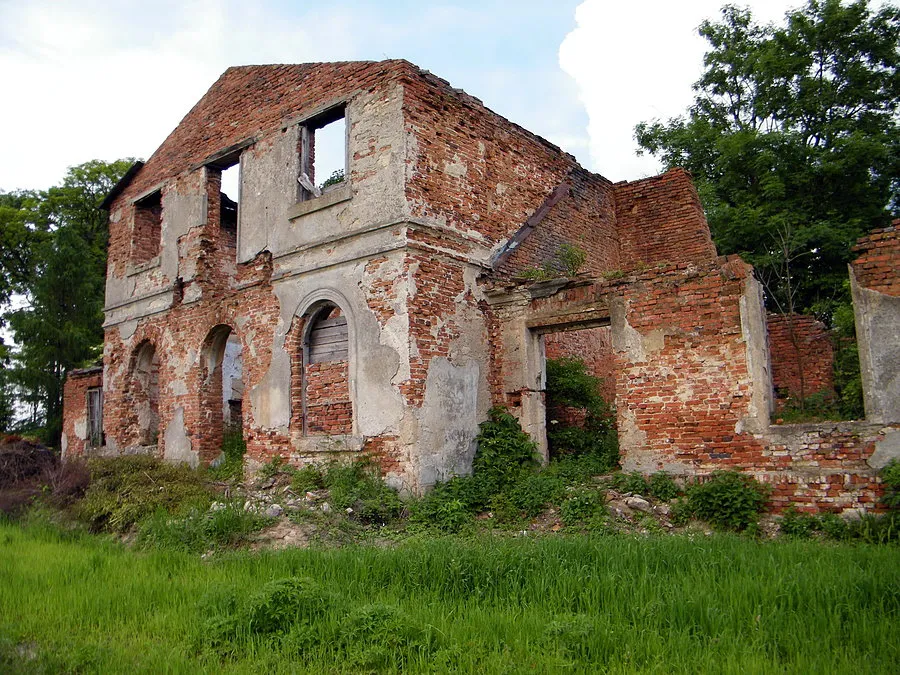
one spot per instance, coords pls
(382, 638)
(582, 506)
(890, 476)
(535, 492)
(504, 450)
(233, 449)
(796, 524)
(307, 479)
(571, 386)
(449, 505)
(566, 262)
(279, 607)
(663, 487)
(630, 482)
(124, 490)
(728, 500)
(833, 526)
(572, 469)
(359, 486)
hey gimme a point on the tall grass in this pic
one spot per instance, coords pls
(671, 604)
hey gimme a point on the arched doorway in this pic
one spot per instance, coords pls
(146, 393)
(221, 390)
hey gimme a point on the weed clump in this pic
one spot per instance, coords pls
(231, 465)
(199, 529)
(728, 500)
(125, 490)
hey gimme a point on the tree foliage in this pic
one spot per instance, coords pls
(793, 141)
(58, 264)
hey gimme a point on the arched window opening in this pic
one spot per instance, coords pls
(146, 393)
(232, 384)
(326, 401)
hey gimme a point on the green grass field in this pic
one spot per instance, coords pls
(79, 603)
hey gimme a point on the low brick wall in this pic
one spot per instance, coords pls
(75, 414)
(802, 357)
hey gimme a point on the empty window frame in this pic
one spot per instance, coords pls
(224, 176)
(147, 228)
(95, 416)
(323, 153)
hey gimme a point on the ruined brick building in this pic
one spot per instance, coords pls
(384, 311)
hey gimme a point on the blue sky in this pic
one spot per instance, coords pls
(95, 79)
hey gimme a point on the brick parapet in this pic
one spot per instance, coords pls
(877, 265)
(661, 220)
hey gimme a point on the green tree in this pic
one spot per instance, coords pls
(793, 140)
(60, 328)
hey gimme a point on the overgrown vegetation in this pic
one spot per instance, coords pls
(231, 466)
(126, 490)
(71, 603)
(728, 500)
(197, 529)
(356, 486)
(570, 387)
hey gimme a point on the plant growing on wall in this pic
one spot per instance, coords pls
(566, 262)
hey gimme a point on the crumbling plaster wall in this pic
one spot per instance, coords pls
(404, 374)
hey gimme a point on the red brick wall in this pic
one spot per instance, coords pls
(246, 101)
(683, 390)
(328, 408)
(877, 265)
(801, 355)
(473, 168)
(75, 407)
(661, 220)
(584, 218)
(147, 231)
(439, 292)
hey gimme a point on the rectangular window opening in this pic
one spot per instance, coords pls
(147, 228)
(95, 416)
(230, 197)
(323, 153)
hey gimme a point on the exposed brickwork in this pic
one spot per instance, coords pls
(661, 221)
(585, 218)
(328, 407)
(878, 260)
(802, 356)
(147, 229)
(432, 324)
(683, 387)
(385, 451)
(75, 420)
(474, 169)
(431, 204)
(594, 347)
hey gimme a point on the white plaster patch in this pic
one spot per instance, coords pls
(178, 445)
(127, 330)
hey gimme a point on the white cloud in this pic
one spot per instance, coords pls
(637, 61)
(92, 81)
